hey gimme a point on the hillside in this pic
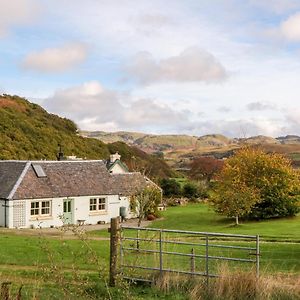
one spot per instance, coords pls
(153, 143)
(27, 131)
(179, 150)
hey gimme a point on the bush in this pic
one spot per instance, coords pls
(190, 190)
(170, 187)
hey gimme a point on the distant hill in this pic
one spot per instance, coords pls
(153, 143)
(259, 139)
(29, 132)
(289, 139)
(179, 150)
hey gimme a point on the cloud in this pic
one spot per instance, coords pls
(154, 20)
(241, 128)
(193, 64)
(92, 107)
(15, 13)
(260, 106)
(290, 28)
(292, 124)
(53, 60)
(224, 109)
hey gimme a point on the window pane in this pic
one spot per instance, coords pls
(93, 204)
(34, 211)
(45, 208)
(45, 211)
(46, 204)
(65, 206)
(102, 202)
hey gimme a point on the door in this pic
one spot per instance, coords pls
(68, 211)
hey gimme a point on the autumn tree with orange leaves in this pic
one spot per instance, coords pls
(257, 185)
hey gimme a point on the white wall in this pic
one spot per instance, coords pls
(81, 211)
(117, 169)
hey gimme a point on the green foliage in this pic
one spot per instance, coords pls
(170, 187)
(28, 132)
(190, 190)
(146, 202)
(258, 185)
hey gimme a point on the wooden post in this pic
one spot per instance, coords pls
(114, 241)
(193, 261)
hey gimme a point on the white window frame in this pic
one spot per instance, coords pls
(38, 207)
(97, 203)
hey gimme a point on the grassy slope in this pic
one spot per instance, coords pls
(277, 256)
(27, 131)
(200, 217)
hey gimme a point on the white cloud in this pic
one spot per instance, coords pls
(93, 107)
(89, 101)
(15, 13)
(52, 60)
(193, 64)
(290, 28)
(292, 125)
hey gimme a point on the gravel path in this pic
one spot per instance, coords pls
(68, 231)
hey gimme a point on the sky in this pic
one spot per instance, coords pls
(192, 67)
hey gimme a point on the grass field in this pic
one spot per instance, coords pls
(200, 217)
(56, 268)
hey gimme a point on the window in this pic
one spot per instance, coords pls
(93, 204)
(40, 208)
(97, 204)
(101, 204)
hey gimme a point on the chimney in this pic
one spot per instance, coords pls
(114, 157)
(60, 155)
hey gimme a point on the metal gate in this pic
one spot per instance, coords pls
(146, 253)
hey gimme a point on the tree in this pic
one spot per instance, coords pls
(170, 187)
(258, 185)
(205, 167)
(145, 202)
(190, 190)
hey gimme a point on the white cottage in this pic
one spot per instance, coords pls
(53, 193)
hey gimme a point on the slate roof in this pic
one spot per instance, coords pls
(10, 171)
(64, 179)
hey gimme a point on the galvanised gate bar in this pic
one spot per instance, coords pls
(146, 253)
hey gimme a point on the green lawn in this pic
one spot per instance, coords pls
(36, 251)
(200, 217)
(45, 265)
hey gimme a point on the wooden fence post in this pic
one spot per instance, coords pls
(114, 242)
(193, 261)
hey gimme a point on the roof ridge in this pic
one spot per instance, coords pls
(19, 180)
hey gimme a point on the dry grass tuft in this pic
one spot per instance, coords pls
(233, 286)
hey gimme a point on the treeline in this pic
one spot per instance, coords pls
(28, 132)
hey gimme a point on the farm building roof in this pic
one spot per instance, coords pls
(48, 179)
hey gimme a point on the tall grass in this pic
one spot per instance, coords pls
(239, 285)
